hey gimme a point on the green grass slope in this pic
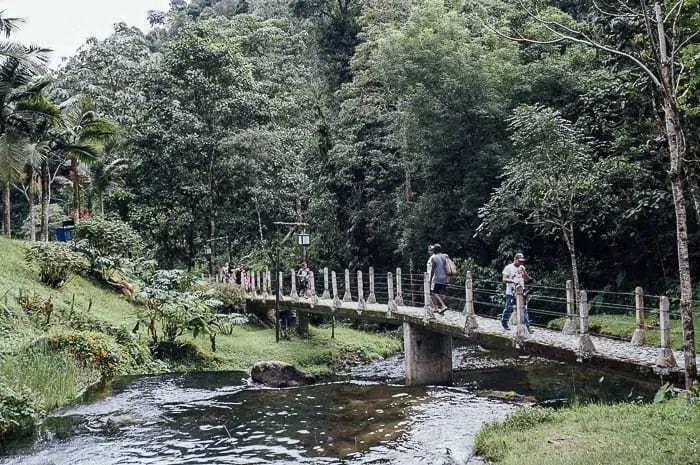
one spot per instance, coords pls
(16, 274)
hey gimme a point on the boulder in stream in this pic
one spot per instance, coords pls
(279, 374)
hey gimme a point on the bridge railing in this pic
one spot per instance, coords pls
(619, 310)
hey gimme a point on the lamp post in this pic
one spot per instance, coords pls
(303, 240)
(207, 252)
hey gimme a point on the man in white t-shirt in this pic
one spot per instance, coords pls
(514, 274)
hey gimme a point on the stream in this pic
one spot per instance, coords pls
(364, 416)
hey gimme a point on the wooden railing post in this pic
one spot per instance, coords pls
(294, 294)
(470, 323)
(569, 327)
(586, 349)
(391, 302)
(639, 336)
(360, 293)
(521, 332)
(372, 298)
(280, 283)
(336, 300)
(313, 298)
(265, 283)
(326, 294)
(348, 296)
(399, 297)
(665, 361)
(427, 302)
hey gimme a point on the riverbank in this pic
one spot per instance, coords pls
(54, 343)
(622, 434)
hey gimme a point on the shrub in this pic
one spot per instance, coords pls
(101, 237)
(90, 349)
(56, 262)
(232, 297)
(18, 412)
(171, 280)
(176, 351)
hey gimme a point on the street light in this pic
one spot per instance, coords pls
(207, 252)
(303, 240)
(292, 227)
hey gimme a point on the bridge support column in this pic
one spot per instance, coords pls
(428, 356)
(303, 323)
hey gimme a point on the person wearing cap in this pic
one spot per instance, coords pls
(438, 277)
(514, 274)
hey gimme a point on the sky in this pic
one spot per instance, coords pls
(64, 25)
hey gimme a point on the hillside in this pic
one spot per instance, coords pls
(16, 276)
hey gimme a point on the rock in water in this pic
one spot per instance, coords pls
(279, 374)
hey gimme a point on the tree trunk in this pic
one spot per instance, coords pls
(76, 190)
(212, 219)
(568, 235)
(6, 225)
(30, 205)
(677, 152)
(45, 199)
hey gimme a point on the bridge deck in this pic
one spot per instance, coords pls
(611, 352)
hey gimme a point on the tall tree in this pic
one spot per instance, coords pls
(664, 38)
(553, 182)
(19, 64)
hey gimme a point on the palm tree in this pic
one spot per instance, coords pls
(19, 64)
(82, 138)
(104, 175)
(14, 152)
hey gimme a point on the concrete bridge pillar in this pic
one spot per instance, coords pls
(427, 356)
(303, 323)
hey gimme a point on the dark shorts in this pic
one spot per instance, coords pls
(438, 288)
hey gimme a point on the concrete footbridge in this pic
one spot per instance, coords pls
(428, 334)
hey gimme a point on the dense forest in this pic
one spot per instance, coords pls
(556, 129)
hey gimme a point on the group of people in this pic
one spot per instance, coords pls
(514, 275)
(233, 275)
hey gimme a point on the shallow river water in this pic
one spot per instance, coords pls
(365, 416)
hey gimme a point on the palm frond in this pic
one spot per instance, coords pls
(14, 153)
(85, 153)
(32, 60)
(8, 26)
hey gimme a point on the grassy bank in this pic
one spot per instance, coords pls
(624, 434)
(623, 326)
(317, 354)
(44, 365)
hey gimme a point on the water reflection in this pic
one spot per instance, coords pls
(218, 418)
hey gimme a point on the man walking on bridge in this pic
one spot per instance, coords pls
(438, 277)
(514, 274)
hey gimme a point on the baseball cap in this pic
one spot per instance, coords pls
(520, 257)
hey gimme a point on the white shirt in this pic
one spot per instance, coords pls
(516, 274)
